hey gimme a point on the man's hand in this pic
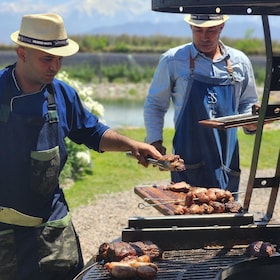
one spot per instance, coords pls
(143, 150)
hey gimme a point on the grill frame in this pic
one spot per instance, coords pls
(176, 237)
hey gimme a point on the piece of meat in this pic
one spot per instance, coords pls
(115, 251)
(207, 209)
(132, 269)
(144, 258)
(260, 249)
(211, 194)
(179, 187)
(146, 272)
(202, 197)
(223, 195)
(196, 209)
(121, 270)
(180, 210)
(176, 163)
(233, 207)
(189, 199)
(219, 207)
(146, 248)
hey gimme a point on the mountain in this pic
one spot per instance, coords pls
(233, 30)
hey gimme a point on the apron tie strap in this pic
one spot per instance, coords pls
(52, 109)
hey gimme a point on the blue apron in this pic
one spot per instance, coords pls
(211, 155)
(32, 154)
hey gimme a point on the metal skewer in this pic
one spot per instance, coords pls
(142, 205)
(161, 199)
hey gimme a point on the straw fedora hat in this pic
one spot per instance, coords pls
(206, 20)
(45, 32)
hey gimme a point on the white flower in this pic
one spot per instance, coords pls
(85, 92)
(84, 158)
(94, 106)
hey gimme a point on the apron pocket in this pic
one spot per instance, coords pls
(45, 170)
(58, 249)
(8, 263)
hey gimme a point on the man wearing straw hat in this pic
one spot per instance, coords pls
(204, 79)
(37, 111)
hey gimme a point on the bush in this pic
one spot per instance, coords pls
(79, 160)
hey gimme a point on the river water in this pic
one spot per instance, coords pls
(130, 115)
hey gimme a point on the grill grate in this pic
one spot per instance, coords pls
(185, 264)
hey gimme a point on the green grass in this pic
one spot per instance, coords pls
(115, 172)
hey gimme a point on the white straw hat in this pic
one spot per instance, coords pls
(205, 20)
(45, 32)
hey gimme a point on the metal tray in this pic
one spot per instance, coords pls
(235, 121)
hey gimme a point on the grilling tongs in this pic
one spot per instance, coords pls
(163, 164)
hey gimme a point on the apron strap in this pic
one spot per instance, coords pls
(52, 108)
(229, 67)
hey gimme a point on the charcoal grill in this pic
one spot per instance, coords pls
(213, 246)
(197, 264)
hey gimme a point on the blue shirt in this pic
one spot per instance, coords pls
(171, 79)
(77, 122)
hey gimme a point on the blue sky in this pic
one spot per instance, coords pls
(82, 16)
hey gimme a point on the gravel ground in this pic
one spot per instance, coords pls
(104, 220)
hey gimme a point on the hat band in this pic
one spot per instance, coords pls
(207, 17)
(43, 43)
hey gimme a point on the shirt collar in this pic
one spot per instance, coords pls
(17, 85)
(15, 80)
(195, 52)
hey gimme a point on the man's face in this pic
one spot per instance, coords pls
(40, 67)
(206, 39)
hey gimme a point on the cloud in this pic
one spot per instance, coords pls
(89, 7)
(112, 7)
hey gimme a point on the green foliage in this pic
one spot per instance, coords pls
(113, 73)
(79, 160)
(259, 75)
(127, 73)
(159, 43)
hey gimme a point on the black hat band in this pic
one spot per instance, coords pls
(43, 43)
(207, 17)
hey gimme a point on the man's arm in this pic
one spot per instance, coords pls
(113, 141)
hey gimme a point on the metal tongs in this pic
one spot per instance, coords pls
(163, 164)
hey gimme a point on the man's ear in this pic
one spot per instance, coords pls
(21, 53)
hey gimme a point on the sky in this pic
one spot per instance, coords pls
(82, 16)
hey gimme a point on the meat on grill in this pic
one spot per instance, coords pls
(199, 200)
(117, 251)
(260, 249)
(132, 269)
(129, 259)
(176, 163)
(179, 187)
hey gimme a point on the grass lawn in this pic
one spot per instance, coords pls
(115, 172)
